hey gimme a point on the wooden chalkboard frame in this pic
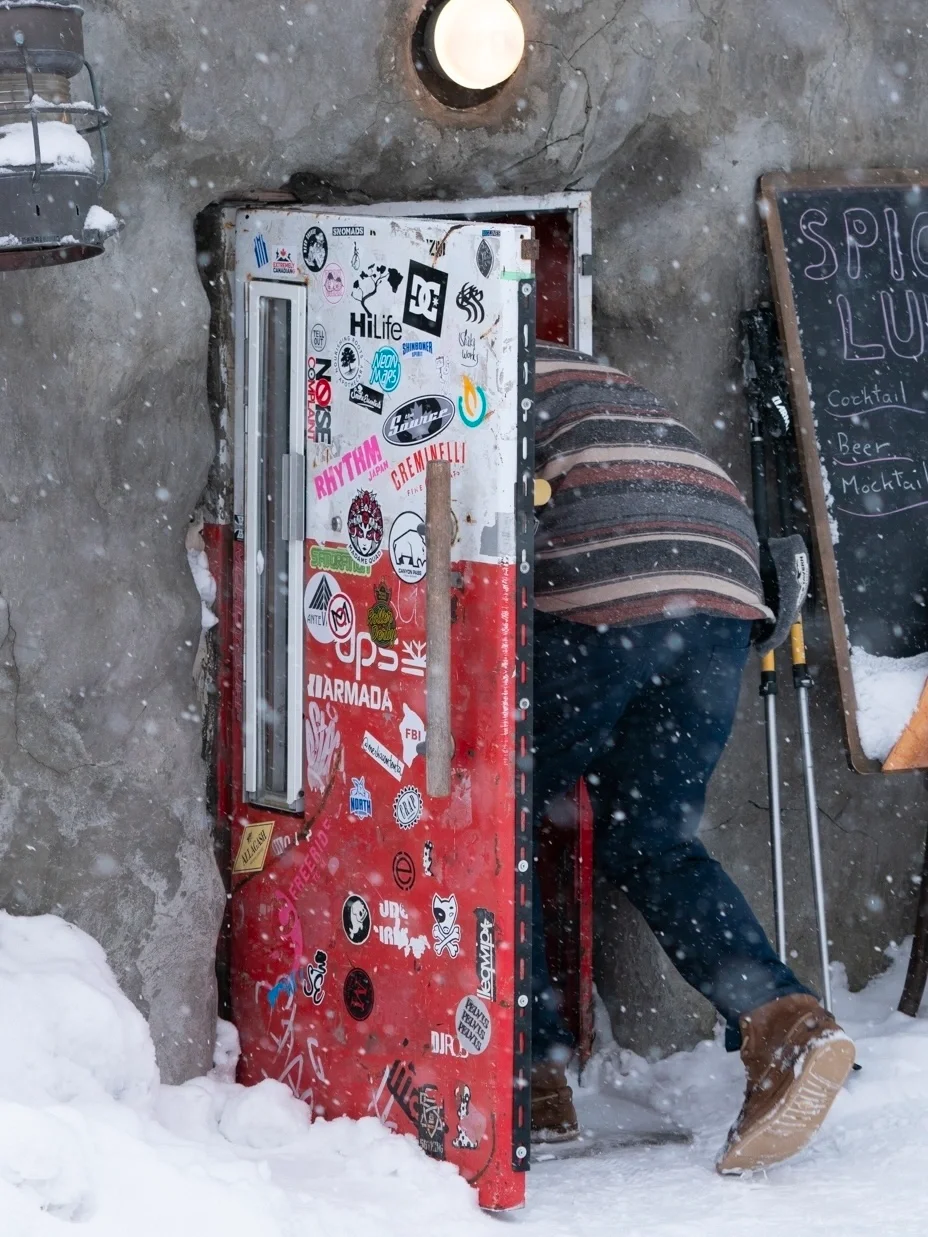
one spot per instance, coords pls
(770, 187)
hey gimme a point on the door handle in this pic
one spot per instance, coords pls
(438, 743)
(293, 491)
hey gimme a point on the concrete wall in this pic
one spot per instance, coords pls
(669, 110)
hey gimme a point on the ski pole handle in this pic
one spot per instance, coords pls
(797, 648)
(768, 674)
(438, 745)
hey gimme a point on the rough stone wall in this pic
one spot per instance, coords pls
(668, 110)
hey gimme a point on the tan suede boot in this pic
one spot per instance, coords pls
(554, 1118)
(797, 1058)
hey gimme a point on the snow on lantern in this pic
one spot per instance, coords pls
(49, 181)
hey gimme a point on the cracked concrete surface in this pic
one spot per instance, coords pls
(668, 110)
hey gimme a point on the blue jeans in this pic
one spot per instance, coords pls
(644, 714)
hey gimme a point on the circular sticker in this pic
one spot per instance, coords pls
(359, 994)
(407, 807)
(404, 871)
(315, 249)
(333, 283)
(472, 1023)
(318, 337)
(348, 360)
(365, 528)
(317, 596)
(341, 616)
(407, 546)
(356, 919)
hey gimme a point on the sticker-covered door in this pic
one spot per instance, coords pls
(381, 954)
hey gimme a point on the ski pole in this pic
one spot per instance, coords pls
(802, 681)
(779, 424)
(768, 667)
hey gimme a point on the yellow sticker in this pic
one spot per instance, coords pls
(252, 850)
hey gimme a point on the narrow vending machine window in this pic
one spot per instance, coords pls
(274, 457)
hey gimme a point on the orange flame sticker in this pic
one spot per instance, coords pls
(472, 405)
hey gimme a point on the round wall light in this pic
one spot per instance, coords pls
(466, 50)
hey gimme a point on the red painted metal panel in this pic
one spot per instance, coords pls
(349, 979)
(379, 939)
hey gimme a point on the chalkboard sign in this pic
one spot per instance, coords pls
(849, 262)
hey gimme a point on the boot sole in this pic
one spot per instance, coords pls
(542, 1136)
(798, 1116)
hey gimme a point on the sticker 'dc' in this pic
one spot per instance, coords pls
(407, 807)
(418, 420)
(426, 288)
(407, 546)
(473, 1025)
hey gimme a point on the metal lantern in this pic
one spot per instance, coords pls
(49, 182)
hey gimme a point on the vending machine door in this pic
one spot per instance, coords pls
(380, 934)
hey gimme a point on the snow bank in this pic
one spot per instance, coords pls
(63, 149)
(88, 1135)
(66, 1031)
(887, 690)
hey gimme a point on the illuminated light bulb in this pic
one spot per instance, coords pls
(476, 43)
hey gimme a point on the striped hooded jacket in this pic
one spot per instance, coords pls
(641, 525)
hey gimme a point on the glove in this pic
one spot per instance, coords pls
(784, 570)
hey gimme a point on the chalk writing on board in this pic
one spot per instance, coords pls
(857, 257)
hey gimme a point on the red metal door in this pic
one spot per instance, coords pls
(378, 935)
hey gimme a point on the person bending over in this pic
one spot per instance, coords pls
(647, 591)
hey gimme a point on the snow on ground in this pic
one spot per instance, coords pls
(89, 1135)
(887, 691)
